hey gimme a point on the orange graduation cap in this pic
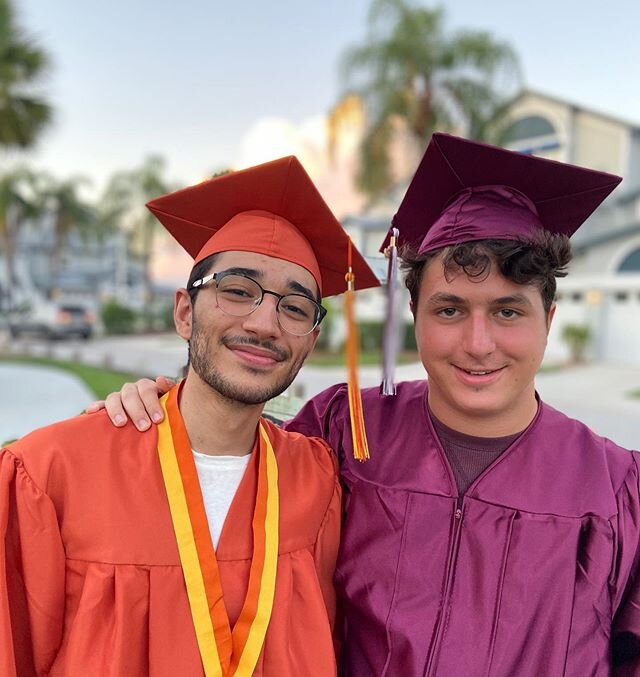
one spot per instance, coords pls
(273, 209)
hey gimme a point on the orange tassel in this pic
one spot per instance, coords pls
(358, 433)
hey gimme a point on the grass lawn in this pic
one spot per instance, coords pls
(100, 381)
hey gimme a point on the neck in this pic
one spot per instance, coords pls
(506, 422)
(215, 425)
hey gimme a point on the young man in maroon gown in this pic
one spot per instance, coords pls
(489, 535)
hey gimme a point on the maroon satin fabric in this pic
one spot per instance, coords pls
(533, 578)
(484, 213)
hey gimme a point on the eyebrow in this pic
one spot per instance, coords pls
(301, 289)
(249, 272)
(293, 285)
(513, 300)
(441, 297)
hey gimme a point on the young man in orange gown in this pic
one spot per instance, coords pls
(208, 548)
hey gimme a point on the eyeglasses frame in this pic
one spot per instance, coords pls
(321, 311)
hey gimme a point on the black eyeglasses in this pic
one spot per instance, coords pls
(239, 295)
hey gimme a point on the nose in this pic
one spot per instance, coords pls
(478, 340)
(263, 321)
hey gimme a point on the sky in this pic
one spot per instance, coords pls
(214, 84)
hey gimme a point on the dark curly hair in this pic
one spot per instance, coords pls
(537, 262)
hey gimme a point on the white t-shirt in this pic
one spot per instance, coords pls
(219, 480)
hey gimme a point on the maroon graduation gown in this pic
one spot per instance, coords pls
(531, 574)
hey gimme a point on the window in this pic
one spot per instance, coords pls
(532, 134)
(529, 128)
(631, 263)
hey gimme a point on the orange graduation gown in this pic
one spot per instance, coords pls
(90, 575)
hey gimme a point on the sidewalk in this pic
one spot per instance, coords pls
(35, 396)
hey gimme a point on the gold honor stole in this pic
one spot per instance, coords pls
(225, 653)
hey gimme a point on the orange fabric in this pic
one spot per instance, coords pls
(263, 233)
(229, 655)
(92, 583)
(204, 545)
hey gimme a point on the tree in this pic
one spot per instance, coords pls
(124, 202)
(70, 213)
(23, 113)
(17, 203)
(410, 72)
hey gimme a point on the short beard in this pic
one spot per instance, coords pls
(202, 364)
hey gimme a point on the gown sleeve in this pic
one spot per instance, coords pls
(323, 416)
(326, 553)
(625, 635)
(327, 543)
(32, 572)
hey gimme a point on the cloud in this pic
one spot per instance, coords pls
(270, 138)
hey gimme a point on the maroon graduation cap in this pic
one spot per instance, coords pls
(465, 191)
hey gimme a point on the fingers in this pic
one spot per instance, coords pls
(94, 406)
(164, 384)
(132, 403)
(137, 401)
(115, 411)
(148, 393)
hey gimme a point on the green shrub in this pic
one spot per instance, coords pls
(409, 337)
(577, 337)
(371, 334)
(117, 319)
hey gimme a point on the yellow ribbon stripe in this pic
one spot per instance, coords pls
(255, 640)
(187, 549)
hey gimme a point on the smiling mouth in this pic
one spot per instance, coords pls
(253, 350)
(255, 357)
(478, 376)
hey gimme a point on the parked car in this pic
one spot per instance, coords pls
(51, 319)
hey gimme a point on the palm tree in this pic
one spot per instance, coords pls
(23, 113)
(70, 213)
(410, 72)
(124, 203)
(17, 204)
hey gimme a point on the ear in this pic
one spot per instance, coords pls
(314, 338)
(183, 314)
(550, 316)
(412, 308)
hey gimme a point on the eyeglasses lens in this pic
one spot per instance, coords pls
(238, 296)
